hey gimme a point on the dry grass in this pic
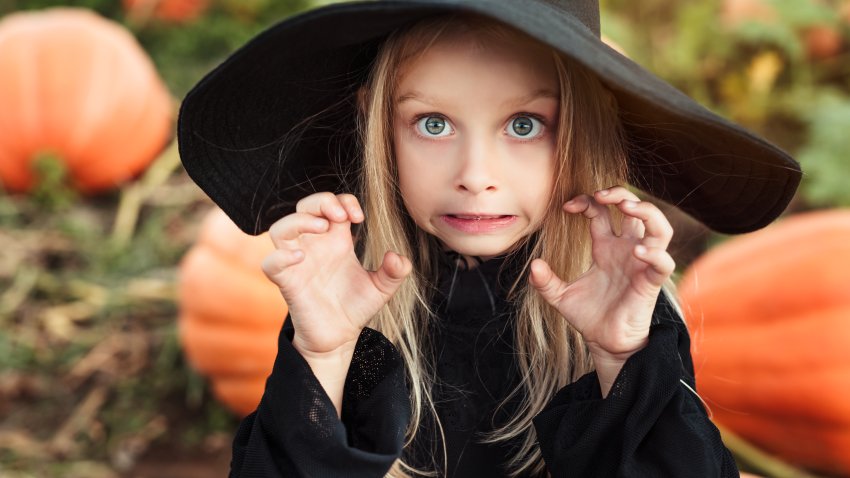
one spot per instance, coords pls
(92, 376)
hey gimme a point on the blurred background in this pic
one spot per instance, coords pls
(136, 327)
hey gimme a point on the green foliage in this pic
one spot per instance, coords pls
(793, 16)
(14, 354)
(826, 154)
(106, 7)
(52, 191)
(184, 53)
(758, 72)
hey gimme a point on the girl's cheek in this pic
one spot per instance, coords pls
(533, 163)
(535, 151)
(418, 147)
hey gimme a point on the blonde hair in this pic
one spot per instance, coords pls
(591, 155)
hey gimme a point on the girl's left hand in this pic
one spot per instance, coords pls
(612, 303)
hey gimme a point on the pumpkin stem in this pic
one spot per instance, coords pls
(758, 461)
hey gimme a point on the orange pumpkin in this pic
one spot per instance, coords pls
(230, 313)
(770, 315)
(78, 86)
(168, 10)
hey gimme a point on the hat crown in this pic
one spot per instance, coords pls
(585, 11)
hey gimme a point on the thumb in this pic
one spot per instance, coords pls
(550, 286)
(394, 269)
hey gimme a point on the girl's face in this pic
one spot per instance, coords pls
(474, 137)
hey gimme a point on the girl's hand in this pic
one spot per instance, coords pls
(331, 297)
(611, 304)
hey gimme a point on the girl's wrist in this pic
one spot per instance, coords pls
(340, 351)
(608, 366)
(330, 369)
(332, 364)
(602, 355)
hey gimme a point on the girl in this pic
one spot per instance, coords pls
(486, 298)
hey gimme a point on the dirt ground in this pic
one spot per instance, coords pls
(167, 462)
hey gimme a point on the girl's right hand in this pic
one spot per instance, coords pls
(331, 297)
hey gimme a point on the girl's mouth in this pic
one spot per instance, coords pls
(478, 224)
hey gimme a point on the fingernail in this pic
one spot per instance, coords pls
(299, 254)
(604, 192)
(629, 204)
(319, 223)
(640, 250)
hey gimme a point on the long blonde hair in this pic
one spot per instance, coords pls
(591, 156)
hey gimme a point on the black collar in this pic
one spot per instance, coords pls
(481, 287)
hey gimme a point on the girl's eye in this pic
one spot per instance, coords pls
(433, 126)
(525, 127)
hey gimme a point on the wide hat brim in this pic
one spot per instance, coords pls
(276, 120)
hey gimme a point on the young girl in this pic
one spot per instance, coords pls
(486, 298)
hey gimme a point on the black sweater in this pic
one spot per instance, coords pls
(650, 424)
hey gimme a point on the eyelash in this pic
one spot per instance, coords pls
(518, 115)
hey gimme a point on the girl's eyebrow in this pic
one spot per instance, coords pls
(522, 100)
(417, 96)
(534, 95)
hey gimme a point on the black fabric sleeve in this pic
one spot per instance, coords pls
(295, 431)
(649, 425)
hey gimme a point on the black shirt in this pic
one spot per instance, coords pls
(650, 424)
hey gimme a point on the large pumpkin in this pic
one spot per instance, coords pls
(770, 316)
(79, 87)
(230, 313)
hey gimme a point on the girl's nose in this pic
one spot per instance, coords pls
(478, 170)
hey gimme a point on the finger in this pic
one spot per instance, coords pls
(550, 286)
(660, 262)
(352, 207)
(618, 195)
(657, 229)
(323, 204)
(278, 260)
(293, 225)
(614, 195)
(392, 272)
(600, 219)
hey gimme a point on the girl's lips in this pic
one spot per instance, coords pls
(479, 224)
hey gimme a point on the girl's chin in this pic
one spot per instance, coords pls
(478, 248)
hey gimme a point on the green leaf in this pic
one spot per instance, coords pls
(824, 158)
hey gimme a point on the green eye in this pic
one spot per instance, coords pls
(524, 126)
(433, 126)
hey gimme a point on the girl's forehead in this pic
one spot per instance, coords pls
(521, 65)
